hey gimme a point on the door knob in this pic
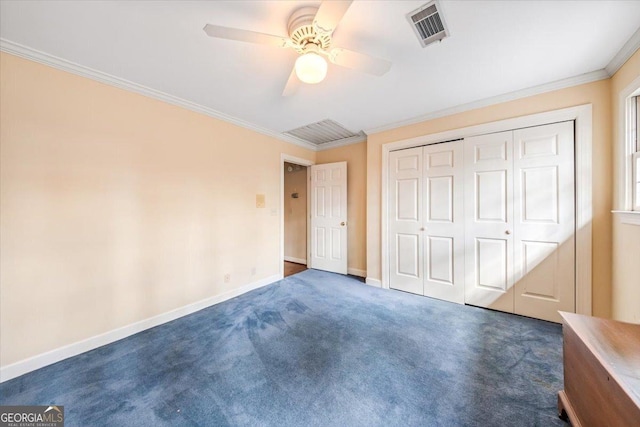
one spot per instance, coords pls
(507, 232)
(421, 228)
(342, 223)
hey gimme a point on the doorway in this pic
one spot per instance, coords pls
(295, 216)
(325, 241)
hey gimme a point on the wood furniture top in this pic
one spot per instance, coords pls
(615, 344)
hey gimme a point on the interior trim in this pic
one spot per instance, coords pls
(628, 217)
(302, 162)
(82, 71)
(50, 357)
(593, 76)
(583, 169)
(295, 260)
(627, 50)
(623, 55)
(357, 272)
(624, 147)
(341, 142)
(373, 282)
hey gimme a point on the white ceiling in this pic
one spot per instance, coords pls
(495, 47)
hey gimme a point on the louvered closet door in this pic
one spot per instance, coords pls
(405, 220)
(544, 214)
(443, 221)
(489, 221)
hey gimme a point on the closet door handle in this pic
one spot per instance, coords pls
(507, 232)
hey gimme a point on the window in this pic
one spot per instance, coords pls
(627, 182)
(635, 182)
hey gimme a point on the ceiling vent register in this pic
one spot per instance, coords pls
(322, 132)
(428, 23)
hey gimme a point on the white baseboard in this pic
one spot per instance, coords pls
(36, 362)
(357, 272)
(296, 260)
(373, 282)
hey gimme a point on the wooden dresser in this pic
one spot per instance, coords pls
(601, 372)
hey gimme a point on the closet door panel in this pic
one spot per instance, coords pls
(488, 195)
(544, 213)
(444, 221)
(406, 270)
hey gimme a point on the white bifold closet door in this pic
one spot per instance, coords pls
(405, 221)
(520, 221)
(489, 220)
(426, 221)
(544, 215)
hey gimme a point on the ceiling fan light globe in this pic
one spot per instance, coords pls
(311, 68)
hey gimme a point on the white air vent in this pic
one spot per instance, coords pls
(322, 132)
(428, 23)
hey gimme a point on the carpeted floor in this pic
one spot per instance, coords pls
(315, 349)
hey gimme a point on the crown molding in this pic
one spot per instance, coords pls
(342, 142)
(26, 52)
(628, 49)
(523, 93)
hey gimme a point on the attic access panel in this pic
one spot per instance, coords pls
(322, 132)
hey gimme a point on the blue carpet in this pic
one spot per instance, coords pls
(314, 349)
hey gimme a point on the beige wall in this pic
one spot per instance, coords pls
(115, 207)
(356, 157)
(295, 213)
(626, 237)
(597, 93)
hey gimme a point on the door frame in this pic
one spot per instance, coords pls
(302, 162)
(583, 117)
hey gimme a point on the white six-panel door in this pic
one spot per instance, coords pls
(329, 217)
(488, 196)
(544, 220)
(443, 221)
(405, 195)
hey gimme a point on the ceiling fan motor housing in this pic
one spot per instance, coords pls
(302, 31)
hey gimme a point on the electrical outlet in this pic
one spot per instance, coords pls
(227, 278)
(253, 271)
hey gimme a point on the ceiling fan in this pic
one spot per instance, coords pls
(310, 30)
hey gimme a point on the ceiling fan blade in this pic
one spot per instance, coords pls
(292, 84)
(330, 14)
(244, 35)
(359, 61)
